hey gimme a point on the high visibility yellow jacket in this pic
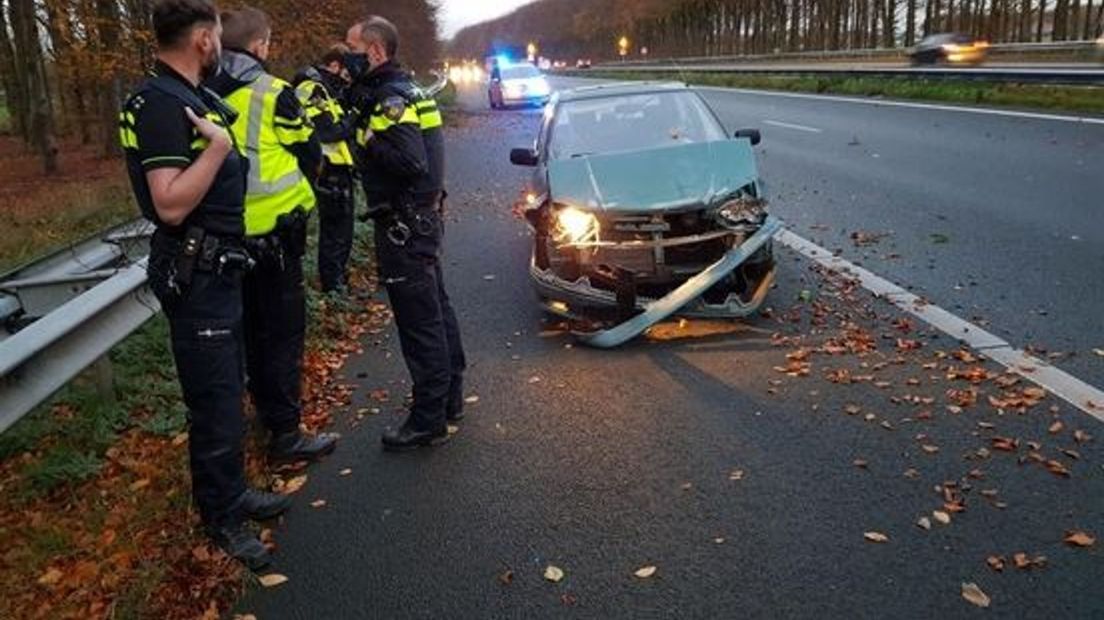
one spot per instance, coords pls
(327, 116)
(274, 134)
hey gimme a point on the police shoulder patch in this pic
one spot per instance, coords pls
(393, 108)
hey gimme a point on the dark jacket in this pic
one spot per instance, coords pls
(398, 159)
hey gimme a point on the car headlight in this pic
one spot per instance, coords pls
(575, 226)
(541, 88)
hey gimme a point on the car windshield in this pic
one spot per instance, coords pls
(631, 123)
(520, 72)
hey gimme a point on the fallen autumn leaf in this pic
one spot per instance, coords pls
(972, 593)
(1080, 539)
(553, 574)
(645, 572)
(876, 537)
(272, 580)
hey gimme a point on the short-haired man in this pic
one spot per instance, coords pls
(402, 168)
(320, 89)
(273, 134)
(189, 181)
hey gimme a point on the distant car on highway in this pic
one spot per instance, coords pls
(517, 84)
(582, 63)
(637, 188)
(949, 48)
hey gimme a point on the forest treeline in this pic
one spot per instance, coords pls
(576, 28)
(65, 65)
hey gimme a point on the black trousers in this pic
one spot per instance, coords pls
(336, 214)
(428, 331)
(275, 329)
(205, 322)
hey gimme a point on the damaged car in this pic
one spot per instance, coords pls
(643, 207)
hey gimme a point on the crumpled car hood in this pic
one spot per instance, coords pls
(660, 179)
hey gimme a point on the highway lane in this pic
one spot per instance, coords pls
(995, 217)
(738, 482)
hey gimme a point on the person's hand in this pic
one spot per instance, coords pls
(368, 135)
(213, 133)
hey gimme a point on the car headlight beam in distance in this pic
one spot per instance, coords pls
(575, 226)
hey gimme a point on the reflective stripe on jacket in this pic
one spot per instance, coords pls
(316, 100)
(276, 185)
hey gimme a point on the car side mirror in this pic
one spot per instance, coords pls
(751, 134)
(523, 157)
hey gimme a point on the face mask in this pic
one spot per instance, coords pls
(355, 63)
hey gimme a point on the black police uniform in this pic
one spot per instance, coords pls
(195, 270)
(334, 187)
(402, 168)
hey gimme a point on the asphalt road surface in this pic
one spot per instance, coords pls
(748, 467)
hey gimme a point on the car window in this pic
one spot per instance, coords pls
(520, 72)
(630, 123)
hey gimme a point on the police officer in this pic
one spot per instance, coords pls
(320, 90)
(190, 182)
(272, 133)
(402, 167)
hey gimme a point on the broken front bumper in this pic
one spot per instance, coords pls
(684, 300)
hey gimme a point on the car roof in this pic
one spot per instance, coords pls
(619, 89)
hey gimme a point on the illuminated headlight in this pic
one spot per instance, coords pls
(540, 88)
(514, 90)
(742, 211)
(456, 75)
(575, 226)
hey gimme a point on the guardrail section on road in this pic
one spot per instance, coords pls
(39, 360)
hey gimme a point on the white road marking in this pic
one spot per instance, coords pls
(792, 126)
(907, 104)
(1063, 385)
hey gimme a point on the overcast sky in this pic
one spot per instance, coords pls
(455, 14)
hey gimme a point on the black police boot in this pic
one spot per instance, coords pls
(455, 416)
(406, 437)
(295, 446)
(240, 543)
(259, 505)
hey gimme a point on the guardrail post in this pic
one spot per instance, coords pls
(102, 373)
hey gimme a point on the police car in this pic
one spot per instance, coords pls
(517, 85)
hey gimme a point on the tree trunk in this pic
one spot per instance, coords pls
(110, 84)
(28, 49)
(15, 96)
(1042, 20)
(910, 22)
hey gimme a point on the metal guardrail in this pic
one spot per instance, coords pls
(36, 289)
(1080, 77)
(39, 360)
(1087, 48)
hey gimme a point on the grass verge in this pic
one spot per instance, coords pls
(1038, 96)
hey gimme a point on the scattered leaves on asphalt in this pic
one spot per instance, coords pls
(942, 517)
(506, 577)
(974, 595)
(471, 400)
(345, 472)
(290, 486)
(271, 580)
(318, 503)
(1078, 538)
(876, 537)
(995, 562)
(553, 573)
(736, 475)
(924, 523)
(645, 572)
